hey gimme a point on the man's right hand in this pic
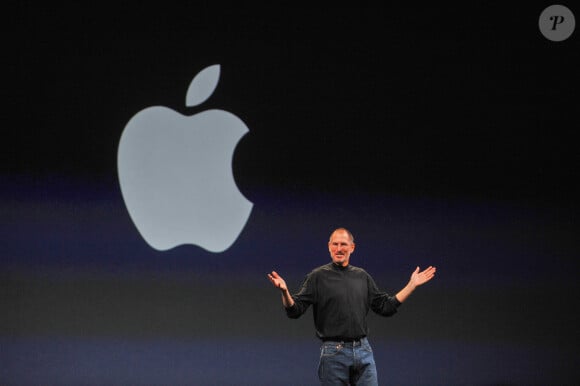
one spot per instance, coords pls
(277, 281)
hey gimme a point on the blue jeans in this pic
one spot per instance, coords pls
(347, 363)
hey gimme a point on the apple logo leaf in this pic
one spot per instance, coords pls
(202, 85)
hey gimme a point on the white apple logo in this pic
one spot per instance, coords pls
(176, 175)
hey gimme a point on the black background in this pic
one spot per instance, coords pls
(441, 134)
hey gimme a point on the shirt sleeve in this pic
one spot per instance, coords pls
(302, 299)
(381, 302)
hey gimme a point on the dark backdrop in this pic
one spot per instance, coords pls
(439, 135)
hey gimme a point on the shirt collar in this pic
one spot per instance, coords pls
(338, 267)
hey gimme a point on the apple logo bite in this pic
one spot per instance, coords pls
(175, 173)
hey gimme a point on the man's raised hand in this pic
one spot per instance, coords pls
(277, 281)
(418, 278)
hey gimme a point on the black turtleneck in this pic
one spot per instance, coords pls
(341, 298)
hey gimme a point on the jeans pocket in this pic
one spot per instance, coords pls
(330, 349)
(328, 359)
(367, 347)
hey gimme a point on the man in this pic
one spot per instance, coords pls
(341, 296)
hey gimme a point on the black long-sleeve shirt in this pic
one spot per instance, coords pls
(341, 298)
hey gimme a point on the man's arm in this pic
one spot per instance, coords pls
(279, 283)
(417, 279)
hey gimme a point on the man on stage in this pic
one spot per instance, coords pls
(341, 296)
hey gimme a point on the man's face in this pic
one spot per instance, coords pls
(340, 247)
